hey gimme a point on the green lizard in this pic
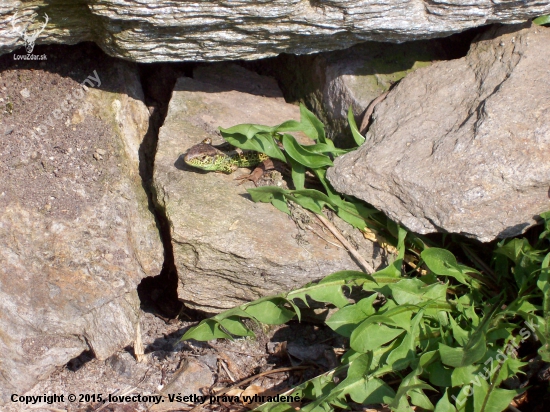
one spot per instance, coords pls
(207, 157)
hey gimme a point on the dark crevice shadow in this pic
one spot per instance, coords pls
(158, 294)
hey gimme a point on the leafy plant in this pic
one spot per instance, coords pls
(443, 331)
(542, 20)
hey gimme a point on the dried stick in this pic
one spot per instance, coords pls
(366, 266)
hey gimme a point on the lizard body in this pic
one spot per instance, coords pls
(207, 157)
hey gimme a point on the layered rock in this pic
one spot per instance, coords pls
(331, 83)
(169, 30)
(227, 249)
(76, 235)
(462, 146)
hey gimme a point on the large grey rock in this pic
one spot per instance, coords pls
(76, 235)
(227, 249)
(170, 30)
(462, 146)
(330, 83)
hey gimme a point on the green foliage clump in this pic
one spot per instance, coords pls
(444, 331)
(542, 20)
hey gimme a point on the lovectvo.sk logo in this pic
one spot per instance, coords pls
(28, 38)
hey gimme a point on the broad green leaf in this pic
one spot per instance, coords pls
(235, 326)
(288, 126)
(280, 203)
(265, 194)
(369, 336)
(402, 356)
(405, 388)
(419, 398)
(298, 173)
(206, 330)
(372, 391)
(475, 348)
(324, 293)
(270, 311)
(345, 320)
(458, 357)
(260, 142)
(414, 292)
(357, 136)
(346, 275)
(489, 399)
(443, 263)
(360, 366)
(308, 203)
(313, 194)
(542, 20)
(352, 219)
(459, 334)
(444, 404)
(313, 127)
(326, 148)
(247, 130)
(439, 374)
(302, 156)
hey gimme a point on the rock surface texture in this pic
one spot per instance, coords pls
(76, 235)
(462, 146)
(169, 30)
(330, 83)
(227, 249)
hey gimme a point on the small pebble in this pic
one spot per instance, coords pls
(25, 93)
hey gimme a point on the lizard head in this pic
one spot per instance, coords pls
(206, 157)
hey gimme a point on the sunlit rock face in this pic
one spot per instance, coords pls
(169, 30)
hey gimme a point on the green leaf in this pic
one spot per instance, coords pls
(206, 330)
(346, 275)
(457, 357)
(489, 399)
(298, 173)
(439, 375)
(247, 130)
(260, 142)
(465, 375)
(280, 203)
(359, 366)
(542, 20)
(325, 292)
(313, 127)
(474, 350)
(369, 336)
(372, 391)
(234, 326)
(543, 331)
(302, 156)
(265, 194)
(270, 311)
(402, 356)
(345, 320)
(288, 126)
(326, 148)
(357, 136)
(444, 404)
(414, 292)
(443, 263)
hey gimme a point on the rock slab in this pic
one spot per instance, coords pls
(462, 146)
(76, 235)
(227, 249)
(214, 30)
